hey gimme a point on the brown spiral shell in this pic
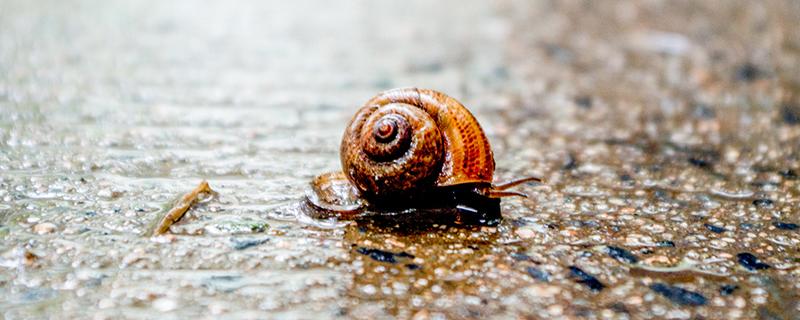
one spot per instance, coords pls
(407, 140)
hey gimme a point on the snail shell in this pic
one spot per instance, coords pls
(408, 140)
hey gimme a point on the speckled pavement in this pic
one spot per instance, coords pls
(668, 133)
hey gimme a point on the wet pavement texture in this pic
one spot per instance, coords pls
(668, 134)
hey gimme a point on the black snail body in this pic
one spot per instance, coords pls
(412, 147)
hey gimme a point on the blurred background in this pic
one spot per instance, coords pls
(653, 122)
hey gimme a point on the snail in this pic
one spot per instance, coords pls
(412, 147)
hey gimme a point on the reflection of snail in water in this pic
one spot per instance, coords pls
(412, 147)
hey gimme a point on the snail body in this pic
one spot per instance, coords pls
(410, 144)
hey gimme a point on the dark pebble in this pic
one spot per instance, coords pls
(666, 243)
(763, 203)
(785, 226)
(383, 256)
(750, 262)
(589, 224)
(241, 244)
(728, 289)
(570, 163)
(404, 254)
(791, 114)
(679, 295)
(714, 229)
(704, 112)
(520, 256)
(748, 72)
(519, 222)
(619, 307)
(700, 162)
(538, 274)
(560, 54)
(621, 254)
(789, 174)
(584, 102)
(661, 195)
(586, 279)
(413, 266)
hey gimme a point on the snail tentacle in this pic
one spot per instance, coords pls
(515, 182)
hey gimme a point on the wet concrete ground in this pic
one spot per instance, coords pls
(668, 132)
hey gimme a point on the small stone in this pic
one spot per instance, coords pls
(165, 304)
(785, 226)
(666, 243)
(44, 227)
(29, 258)
(538, 274)
(413, 266)
(165, 238)
(703, 111)
(571, 162)
(679, 295)
(383, 256)
(586, 279)
(520, 256)
(714, 229)
(728, 289)
(701, 162)
(105, 303)
(244, 243)
(109, 194)
(791, 114)
(421, 315)
(748, 72)
(751, 262)
(525, 233)
(621, 254)
(789, 174)
(763, 203)
(584, 102)
(555, 310)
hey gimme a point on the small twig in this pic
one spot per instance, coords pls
(181, 207)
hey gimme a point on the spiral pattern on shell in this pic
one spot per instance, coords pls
(406, 140)
(396, 148)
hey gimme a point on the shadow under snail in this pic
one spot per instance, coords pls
(412, 148)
